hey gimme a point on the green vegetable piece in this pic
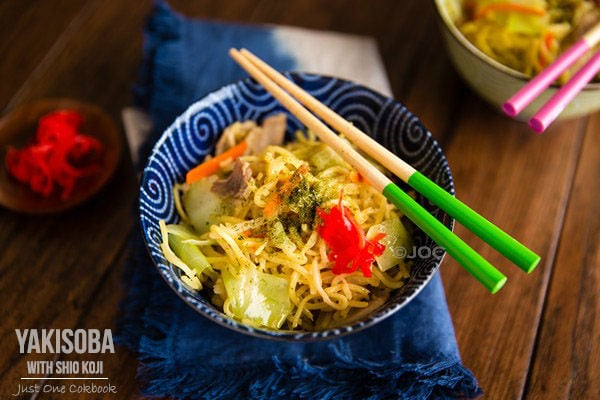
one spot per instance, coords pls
(397, 242)
(325, 158)
(258, 298)
(524, 24)
(202, 205)
(188, 252)
(280, 239)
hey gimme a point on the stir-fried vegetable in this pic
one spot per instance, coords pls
(526, 35)
(181, 242)
(325, 158)
(211, 166)
(396, 241)
(258, 298)
(269, 235)
(202, 205)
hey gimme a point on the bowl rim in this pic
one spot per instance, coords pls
(442, 12)
(286, 335)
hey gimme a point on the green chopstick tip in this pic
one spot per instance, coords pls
(534, 263)
(494, 289)
(516, 252)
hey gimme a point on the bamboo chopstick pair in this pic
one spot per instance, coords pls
(474, 263)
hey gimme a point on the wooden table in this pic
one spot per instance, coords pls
(538, 338)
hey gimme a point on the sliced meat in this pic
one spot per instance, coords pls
(272, 133)
(236, 183)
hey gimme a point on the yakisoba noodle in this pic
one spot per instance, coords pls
(527, 35)
(251, 239)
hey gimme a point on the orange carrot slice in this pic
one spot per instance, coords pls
(354, 176)
(548, 39)
(271, 206)
(509, 7)
(211, 166)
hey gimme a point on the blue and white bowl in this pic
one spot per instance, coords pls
(193, 135)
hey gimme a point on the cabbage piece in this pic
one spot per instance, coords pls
(188, 253)
(278, 238)
(202, 205)
(397, 242)
(325, 158)
(189, 276)
(258, 298)
(525, 24)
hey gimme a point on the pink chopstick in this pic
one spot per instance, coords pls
(548, 113)
(537, 85)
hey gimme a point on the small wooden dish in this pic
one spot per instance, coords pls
(18, 128)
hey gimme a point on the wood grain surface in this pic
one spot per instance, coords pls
(538, 338)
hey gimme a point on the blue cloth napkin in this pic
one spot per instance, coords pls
(411, 355)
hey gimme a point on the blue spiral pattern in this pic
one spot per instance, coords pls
(193, 135)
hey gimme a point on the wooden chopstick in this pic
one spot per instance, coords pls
(491, 234)
(473, 262)
(513, 106)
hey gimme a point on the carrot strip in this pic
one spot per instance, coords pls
(211, 166)
(271, 206)
(509, 7)
(354, 176)
(548, 38)
(547, 44)
(294, 180)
